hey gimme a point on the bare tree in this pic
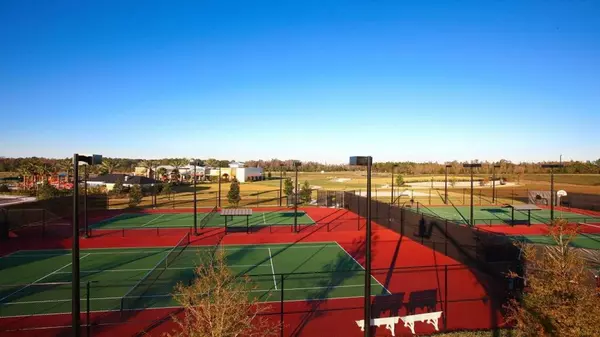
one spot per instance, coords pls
(218, 304)
(560, 298)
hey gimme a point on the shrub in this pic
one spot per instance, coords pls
(47, 191)
(135, 196)
(306, 192)
(233, 196)
(560, 299)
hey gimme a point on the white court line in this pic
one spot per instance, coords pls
(9, 254)
(272, 268)
(170, 295)
(321, 243)
(41, 278)
(189, 250)
(107, 220)
(148, 269)
(363, 268)
(149, 222)
(162, 308)
(264, 220)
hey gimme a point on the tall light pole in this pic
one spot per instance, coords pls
(296, 165)
(471, 167)
(85, 217)
(392, 199)
(75, 290)
(551, 167)
(280, 183)
(195, 162)
(366, 161)
(494, 167)
(219, 200)
(446, 183)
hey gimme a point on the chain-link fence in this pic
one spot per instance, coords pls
(334, 298)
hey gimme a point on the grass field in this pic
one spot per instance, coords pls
(495, 215)
(30, 280)
(575, 179)
(142, 220)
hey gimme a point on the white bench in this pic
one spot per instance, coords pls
(389, 322)
(429, 318)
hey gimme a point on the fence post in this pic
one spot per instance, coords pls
(281, 306)
(445, 297)
(512, 199)
(87, 301)
(358, 213)
(402, 221)
(44, 223)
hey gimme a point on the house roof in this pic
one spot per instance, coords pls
(131, 180)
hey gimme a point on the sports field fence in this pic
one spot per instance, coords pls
(443, 289)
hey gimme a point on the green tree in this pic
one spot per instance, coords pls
(162, 172)
(233, 196)
(108, 166)
(561, 299)
(399, 180)
(306, 192)
(167, 189)
(135, 195)
(288, 186)
(47, 191)
(118, 188)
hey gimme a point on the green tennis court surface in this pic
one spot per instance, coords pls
(583, 240)
(115, 271)
(141, 220)
(497, 215)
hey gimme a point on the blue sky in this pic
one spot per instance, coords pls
(311, 80)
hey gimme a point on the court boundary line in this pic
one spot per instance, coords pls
(272, 269)
(151, 220)
(110, 298)
(39, 279)
(363, 268)
(173, 268)
(9, 254)
(177, 307)
(107, 220)
(160, 249)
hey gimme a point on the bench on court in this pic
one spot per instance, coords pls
(389, 322)
(429, 318)
(409, 321)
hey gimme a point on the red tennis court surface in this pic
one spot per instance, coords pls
(420, 280)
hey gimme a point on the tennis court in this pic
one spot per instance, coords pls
(498, 215)
(208, 219)
(582, 240)
(32, 282)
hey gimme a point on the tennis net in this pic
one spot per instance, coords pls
(208, 217)
(131, 299)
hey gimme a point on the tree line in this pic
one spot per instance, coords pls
(41, 168)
